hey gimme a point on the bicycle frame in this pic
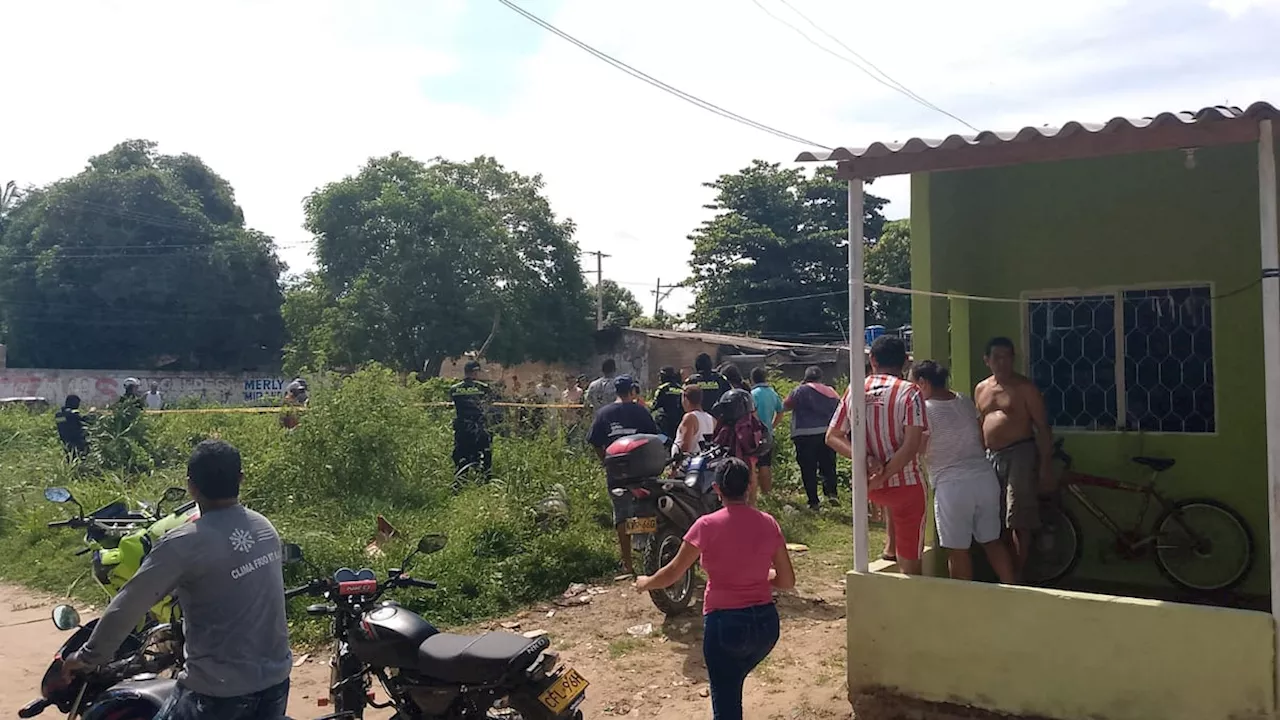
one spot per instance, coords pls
(1135, 539)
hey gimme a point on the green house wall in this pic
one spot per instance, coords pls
(1094, 224)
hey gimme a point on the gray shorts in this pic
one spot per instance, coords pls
(966, 509)
(1018, 468)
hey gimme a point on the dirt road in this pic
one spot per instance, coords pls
(658, 675)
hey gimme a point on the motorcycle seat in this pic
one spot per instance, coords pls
(477, 659)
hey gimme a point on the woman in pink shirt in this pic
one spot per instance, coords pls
(745, 557)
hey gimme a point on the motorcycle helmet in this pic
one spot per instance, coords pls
(132, 383)
(732, 406)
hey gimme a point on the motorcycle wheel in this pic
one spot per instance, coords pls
(663, 546)
(528, 708)
(351, 697)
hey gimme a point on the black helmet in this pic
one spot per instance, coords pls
(732, 406)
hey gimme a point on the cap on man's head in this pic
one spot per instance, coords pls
(623, 384)
(472, 366)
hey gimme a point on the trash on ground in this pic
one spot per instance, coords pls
(642, 630)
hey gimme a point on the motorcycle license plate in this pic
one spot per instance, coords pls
(642, 525)
(567, 689)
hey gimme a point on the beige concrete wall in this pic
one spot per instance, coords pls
(100, 387)
(1057, 654)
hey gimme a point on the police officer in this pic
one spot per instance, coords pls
(471, 439)
(712, 383)
(668, 401)
(70, 425)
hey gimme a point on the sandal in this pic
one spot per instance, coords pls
(890, 558)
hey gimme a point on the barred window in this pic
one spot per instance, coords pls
(1150, 363)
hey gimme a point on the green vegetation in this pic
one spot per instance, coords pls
(365, 448)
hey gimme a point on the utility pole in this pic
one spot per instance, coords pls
(659, 295)
(599, 286)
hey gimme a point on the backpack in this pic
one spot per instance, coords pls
(745, 438)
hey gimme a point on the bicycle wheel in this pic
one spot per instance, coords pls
(1057, 547)
(1203, 545)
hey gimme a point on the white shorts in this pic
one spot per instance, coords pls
(966, 509)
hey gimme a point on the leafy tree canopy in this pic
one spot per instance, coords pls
(781, 234)
(621, 308)
(422, 262)
(142, 260)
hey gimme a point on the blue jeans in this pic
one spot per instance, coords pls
(269, 704)
(734, 642)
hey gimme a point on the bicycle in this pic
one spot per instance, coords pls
(1199, 544)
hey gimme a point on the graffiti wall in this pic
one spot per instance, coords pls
(101, 387)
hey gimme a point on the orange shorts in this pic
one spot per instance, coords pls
(906, 506)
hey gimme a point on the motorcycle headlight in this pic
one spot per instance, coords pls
(691, 481)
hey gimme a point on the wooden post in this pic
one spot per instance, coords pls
(857, 377)
(1270, 238)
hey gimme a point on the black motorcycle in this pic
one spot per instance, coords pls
(663, 508)
(127, 688)
(427, 673)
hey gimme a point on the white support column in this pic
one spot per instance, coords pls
(1270, 238)
(857, 376)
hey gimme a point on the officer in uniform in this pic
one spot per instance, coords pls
(668, 402)
(471, 439)
(71, 428)
(712, 383)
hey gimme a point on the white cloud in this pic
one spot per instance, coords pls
(279, 97)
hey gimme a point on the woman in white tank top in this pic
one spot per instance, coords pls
(966, 491)
(696, 427)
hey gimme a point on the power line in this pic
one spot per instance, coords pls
(633, 72)
(887, 80)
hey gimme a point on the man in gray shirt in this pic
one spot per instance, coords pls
(226, 569)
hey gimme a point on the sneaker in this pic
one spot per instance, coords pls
(815, 507)
(833, 501)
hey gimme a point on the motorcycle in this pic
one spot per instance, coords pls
(127, 688)
(663, 508)
(427, 673)
(120, 539)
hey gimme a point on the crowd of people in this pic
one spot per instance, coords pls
(989, 459)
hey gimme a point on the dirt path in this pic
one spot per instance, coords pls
(661, 675)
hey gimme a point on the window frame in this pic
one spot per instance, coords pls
(1117, 293)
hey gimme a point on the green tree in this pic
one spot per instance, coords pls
(888, 262)
(418, 263)
(777, 234)
(620, 305)
(662, 321)
(142, 260)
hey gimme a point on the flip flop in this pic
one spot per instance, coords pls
(890, 558)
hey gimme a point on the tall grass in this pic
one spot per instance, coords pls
(365, 447)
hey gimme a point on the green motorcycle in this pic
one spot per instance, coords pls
(120, 540)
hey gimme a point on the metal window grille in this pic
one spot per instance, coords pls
(1168, 360)
(1073, 359)
(1160, 340)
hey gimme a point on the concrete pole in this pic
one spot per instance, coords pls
(857, 378)
(1270, 239)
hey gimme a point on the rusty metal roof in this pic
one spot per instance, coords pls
(1167, 130)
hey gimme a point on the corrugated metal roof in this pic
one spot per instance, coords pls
(721, 339)
(1117, 126)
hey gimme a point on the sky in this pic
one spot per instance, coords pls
(281, 97)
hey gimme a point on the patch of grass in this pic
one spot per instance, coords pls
(362, 450)
(623, 646)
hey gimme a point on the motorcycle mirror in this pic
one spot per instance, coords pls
(66, 617)
(173, 494)
(58, 495)
(432, 543)
(292, 553)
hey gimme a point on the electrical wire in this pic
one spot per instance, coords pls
(639, 75)
(887, 81)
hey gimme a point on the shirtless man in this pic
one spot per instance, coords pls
(1019, 442)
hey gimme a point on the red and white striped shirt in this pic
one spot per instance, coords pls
(892, 405)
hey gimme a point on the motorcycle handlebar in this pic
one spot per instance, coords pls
(320, 587)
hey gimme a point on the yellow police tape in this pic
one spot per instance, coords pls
(288, 408)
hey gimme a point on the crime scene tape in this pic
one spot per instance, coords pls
(283, 408)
